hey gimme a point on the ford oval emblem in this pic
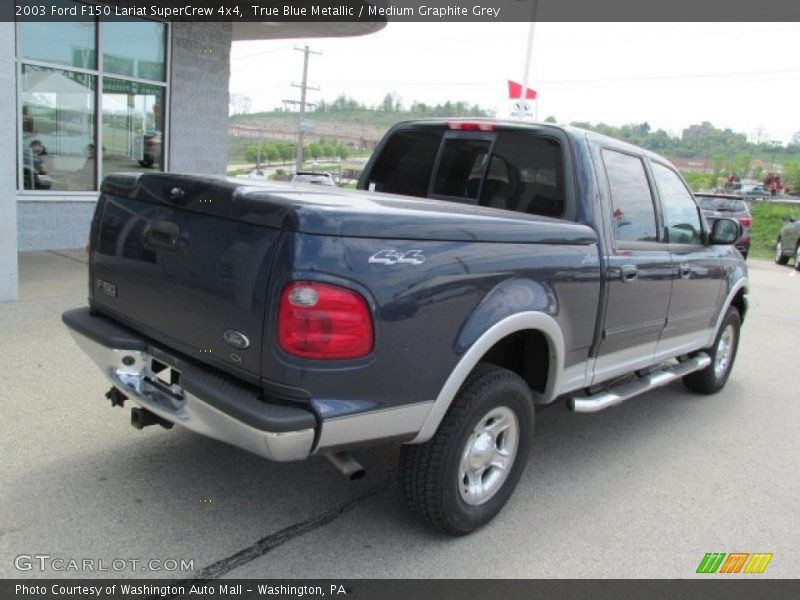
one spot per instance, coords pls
(236, 339)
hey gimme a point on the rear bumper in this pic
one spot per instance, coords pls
(202, 400)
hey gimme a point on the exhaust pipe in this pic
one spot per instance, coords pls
(347, 465)
(141, 418)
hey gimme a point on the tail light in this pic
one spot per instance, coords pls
(745, 222)
(321, 321)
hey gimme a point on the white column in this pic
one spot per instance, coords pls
(9, 271)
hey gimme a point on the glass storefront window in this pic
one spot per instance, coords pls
(91, 100)
(135, 49)
(58, 129)
(133, 123)
(69, 44)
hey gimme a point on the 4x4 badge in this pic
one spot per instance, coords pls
(393, 257)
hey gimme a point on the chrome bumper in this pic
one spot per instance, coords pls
(129, 371)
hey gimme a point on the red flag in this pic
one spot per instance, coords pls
(515, 91)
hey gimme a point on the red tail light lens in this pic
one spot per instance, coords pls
(471, 126)
(328, 322)
(745, 222)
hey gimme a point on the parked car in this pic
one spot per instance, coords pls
(482, 270)
(787, 245)
(314, 178)
(727, 206)
(754, 191)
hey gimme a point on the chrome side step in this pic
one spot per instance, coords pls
(618, 394)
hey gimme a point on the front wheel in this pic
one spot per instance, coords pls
(461, 478)
(722, 353)
(780, 259)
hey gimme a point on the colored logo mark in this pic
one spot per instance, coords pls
(734, 562)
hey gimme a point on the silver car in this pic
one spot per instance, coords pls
(314, 177)
(787, 245)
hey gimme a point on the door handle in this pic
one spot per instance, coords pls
(161, 234)
(629, 273)
(686, 271)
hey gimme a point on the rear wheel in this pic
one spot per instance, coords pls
(780, 259)
(461, 478)
(722, 353)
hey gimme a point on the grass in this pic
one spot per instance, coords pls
(767, 222)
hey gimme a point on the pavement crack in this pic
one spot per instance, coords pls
(68, 257)
(273, 540)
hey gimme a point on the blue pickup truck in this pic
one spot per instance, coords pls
(481, 270)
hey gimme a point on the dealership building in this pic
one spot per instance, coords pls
(80, 99)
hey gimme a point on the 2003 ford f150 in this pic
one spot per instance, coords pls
(482, 269)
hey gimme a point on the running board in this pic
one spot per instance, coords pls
(618, 394)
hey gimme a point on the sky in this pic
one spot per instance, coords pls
(743, 76)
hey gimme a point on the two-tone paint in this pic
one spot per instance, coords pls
(192, 259)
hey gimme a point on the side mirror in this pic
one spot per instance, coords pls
(725, 231)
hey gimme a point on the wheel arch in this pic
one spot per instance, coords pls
(737, 296)
(529, 323)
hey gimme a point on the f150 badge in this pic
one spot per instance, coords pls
(394, 257)
(108, 288)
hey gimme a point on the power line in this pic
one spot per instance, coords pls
(395, 84)
(260, 53)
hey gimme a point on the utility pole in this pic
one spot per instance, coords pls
(304, 87)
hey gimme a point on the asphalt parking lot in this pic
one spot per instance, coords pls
(641, 490)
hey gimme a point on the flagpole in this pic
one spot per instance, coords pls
(528, 54)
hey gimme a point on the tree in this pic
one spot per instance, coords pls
(272, 153)
(328, 150)
(791, 175)
(251, 153)
(240, 104)
(550, 119)
(314, 150)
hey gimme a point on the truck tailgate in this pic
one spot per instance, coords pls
(183, 272)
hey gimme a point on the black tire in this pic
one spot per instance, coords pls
(431, 473)
(712, 379)
(744, 254)
(780, 258)
(797, 257)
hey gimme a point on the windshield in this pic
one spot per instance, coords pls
(722, 204)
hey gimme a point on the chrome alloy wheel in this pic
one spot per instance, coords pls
(488, 455)
(722, 359)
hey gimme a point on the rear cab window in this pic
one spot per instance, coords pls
(517, 170)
